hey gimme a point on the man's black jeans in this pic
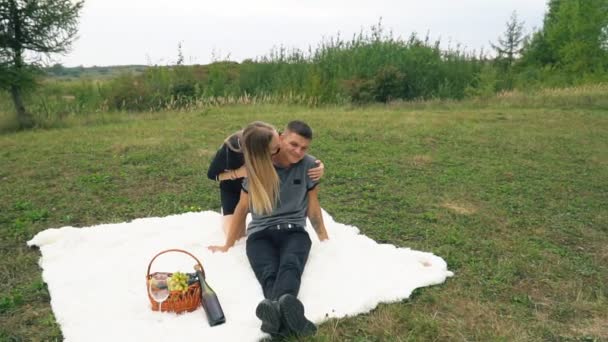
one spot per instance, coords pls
(278, 257)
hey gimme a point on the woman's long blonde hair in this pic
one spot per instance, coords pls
(233, 141)
(262, 177)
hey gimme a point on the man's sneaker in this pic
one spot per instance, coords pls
(268, 312)
(292, 313)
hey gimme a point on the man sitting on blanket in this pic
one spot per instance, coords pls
(277, 242)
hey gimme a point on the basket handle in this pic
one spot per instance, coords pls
(174, 250)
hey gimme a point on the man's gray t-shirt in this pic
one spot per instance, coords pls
(292, 205)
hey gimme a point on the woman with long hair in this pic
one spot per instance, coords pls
(262, 176)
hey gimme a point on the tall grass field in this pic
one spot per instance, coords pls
(373, 66)
(510, 190)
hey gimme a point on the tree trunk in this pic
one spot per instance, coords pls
(23, 117)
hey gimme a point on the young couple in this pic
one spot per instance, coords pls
(280, 194)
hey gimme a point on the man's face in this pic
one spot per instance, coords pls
(294, 146)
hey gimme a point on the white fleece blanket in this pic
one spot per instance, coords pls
(96, 278)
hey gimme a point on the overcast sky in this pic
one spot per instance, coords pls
(119, 32)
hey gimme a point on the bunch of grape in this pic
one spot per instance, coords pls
(178, 282)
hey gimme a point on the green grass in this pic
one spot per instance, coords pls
(512, 197)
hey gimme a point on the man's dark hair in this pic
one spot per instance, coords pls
(300, 128)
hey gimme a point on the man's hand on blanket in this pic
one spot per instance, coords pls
(222, 249)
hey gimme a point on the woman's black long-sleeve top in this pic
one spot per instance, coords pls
(227, 158)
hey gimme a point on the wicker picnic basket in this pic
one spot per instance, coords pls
(177, 301)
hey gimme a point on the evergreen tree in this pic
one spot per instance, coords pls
(509, 46)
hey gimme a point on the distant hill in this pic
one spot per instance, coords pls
(94, 72)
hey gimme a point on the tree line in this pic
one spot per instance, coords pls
(373, 66)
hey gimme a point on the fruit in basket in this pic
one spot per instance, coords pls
(178, 282)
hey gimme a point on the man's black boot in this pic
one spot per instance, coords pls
(292, 314)
(268, 312)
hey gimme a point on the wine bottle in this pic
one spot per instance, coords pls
(213, 309)
(192, 278)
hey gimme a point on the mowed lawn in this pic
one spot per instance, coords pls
(514, 199)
